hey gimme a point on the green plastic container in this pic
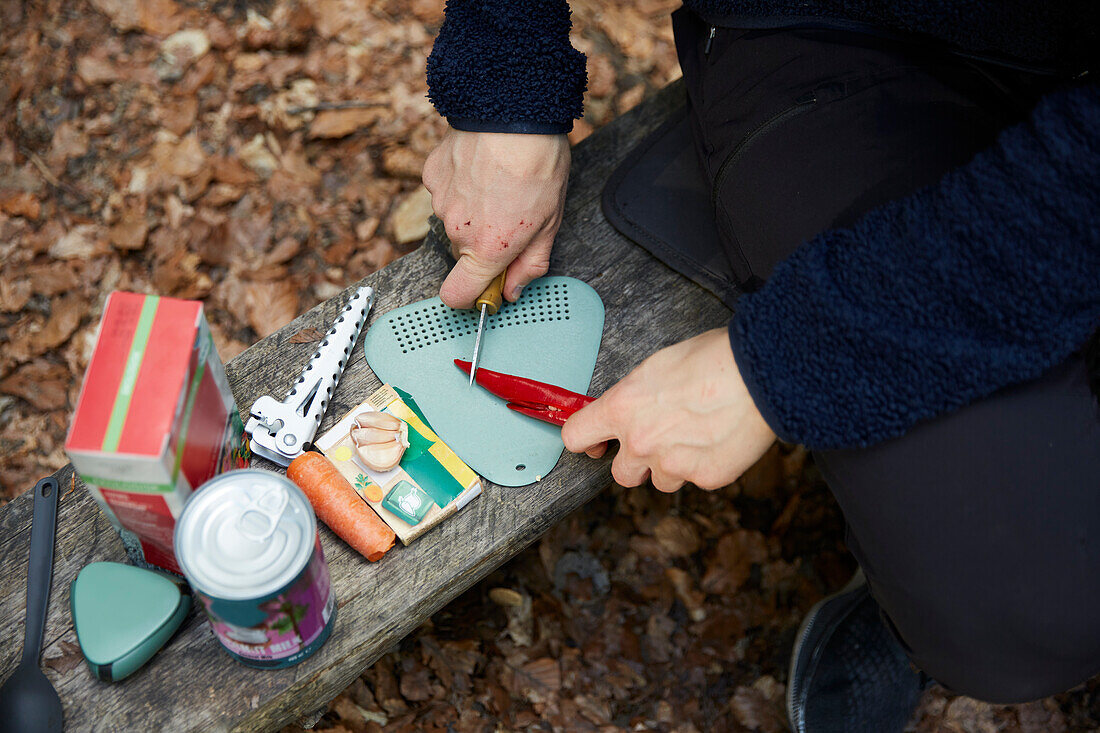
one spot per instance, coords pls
(123, 615)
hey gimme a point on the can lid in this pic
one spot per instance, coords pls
(245, 534)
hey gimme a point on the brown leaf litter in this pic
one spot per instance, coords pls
(263, 157)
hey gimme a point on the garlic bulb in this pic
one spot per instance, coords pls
(380, 439)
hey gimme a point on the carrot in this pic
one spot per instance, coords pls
(338, 506)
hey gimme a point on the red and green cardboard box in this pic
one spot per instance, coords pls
(155, 419)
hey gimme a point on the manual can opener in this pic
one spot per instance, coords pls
(281, 431)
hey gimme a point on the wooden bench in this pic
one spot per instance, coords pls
(192, 684)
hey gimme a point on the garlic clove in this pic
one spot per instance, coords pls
(380, 439)
(382, 420)
(372, 436)
(381, 456)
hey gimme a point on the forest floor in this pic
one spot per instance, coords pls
(261, 157)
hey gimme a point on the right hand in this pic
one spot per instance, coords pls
(500, 197)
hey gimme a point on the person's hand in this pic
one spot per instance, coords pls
(500, 197)
(683, 415)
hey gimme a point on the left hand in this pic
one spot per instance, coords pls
(500, 197)
(683, 415)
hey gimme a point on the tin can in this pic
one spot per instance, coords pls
(248, 544)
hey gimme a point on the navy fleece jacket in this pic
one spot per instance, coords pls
(983, 280)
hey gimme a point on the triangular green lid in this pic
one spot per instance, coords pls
(117, 608)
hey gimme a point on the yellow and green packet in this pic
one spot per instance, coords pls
(429, 484)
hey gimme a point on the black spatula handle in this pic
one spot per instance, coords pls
(40, 567)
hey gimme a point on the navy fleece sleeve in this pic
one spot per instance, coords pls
(985, 279)
(507, 66)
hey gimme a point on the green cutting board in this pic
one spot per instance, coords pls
(552, 334)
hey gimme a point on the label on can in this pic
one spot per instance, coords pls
(249, 546)
(293, 621)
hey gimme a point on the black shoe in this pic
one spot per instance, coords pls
(848, 672)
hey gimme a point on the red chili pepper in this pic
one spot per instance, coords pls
(542, 401)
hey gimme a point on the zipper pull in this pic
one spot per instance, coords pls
(710, 40)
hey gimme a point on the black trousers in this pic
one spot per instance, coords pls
(979, 531)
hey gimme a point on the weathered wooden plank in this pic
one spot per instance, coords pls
(192, 684)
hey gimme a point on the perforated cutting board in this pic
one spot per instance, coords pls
(552, 333)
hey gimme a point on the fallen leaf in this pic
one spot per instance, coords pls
(231, 170)
(334, 16)
(221, 194)
(521, 622)
(384, 686)
(335, 123)
(53, 278)
(429, 12)
(540, 675)
(734, 557)
(179, 275)
(415, 683)
(259, 32)
(65, 314)
(184, 47)
(271, 305)
(130, 231)
(14, 294)
(123, 14)
(505, 597)
(290, 108)
(95, 70)
(403, 162)
(759, 707)
(410, 219)
(658, 638)
(69, 141)
(158, 17)
(583, 566)
(372, 256)
(176, 211)
(250, 63)
(677, 536)
(601, 75)
(249, 229)
(256, 156)
(178, 116)
(184, 159)
(81, 242)
(200, 74)
(44, 385)
(684, 586)
(153, 16)
(581, 130)
(365, 229)
(1041, 716)
(227, 346)
(139, 179)
(297, 165)
(20, 203)
(965, 714)
(282, 252)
